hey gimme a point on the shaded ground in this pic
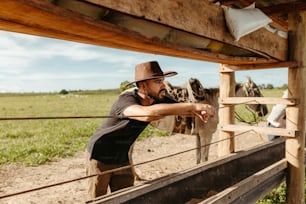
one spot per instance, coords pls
(16, 178)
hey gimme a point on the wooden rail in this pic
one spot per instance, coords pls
(258, 100)
(261, 130)
(240, 67)
(237, 169)
(247, 190)
(150, 31)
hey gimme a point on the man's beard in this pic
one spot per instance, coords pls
(160, 97)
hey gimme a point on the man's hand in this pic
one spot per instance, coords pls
(205, 112)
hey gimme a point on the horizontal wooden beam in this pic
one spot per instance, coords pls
(292, 6)
(275, 12)
(197, 182)
(236, 192)
(42, 18)
(226, 68)
(257, 100)
(260, 130)
(202, 18)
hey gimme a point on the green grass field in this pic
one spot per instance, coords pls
(34, 142)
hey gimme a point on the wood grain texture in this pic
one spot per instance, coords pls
(89, 25)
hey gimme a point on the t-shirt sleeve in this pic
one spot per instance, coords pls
(124, 101)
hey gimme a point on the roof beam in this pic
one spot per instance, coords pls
(184, 38)
(274, 11)
(40, 17)
(200, 18)
(284, 8)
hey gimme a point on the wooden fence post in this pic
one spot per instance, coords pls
(226, 112)
(295, 151)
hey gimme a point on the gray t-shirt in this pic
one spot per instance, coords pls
(111, 143)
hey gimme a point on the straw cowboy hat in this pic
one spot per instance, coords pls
(149, 70)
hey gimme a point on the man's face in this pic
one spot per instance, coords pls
(156, 88)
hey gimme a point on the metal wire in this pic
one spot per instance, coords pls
(99, 116)
(108, 171)
(117, 169)
(73, 117)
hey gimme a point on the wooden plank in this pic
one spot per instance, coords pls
(198, 181)
(261, 130)
(262, 189)
(284, 7)
(52, 21)
(287, 64)
(275, 12)
(191, 17)
(43, 18)
(236, 192)
(257, 100)
(57, 34)
(156, 30)
(295, 115)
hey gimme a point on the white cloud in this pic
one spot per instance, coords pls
(28, 62)
(20, 51)
(63, 76)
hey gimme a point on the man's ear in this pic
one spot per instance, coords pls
(143, 85)
(139, 85)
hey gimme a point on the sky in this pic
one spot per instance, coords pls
(37, 64)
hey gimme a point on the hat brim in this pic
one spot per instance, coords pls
(166, 74)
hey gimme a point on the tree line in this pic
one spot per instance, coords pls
(123, 87)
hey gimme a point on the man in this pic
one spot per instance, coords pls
(108, 148)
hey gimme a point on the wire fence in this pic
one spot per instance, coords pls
(116, 169)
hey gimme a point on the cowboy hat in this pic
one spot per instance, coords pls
(149, 70)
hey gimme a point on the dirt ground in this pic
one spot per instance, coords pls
(16, 178)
